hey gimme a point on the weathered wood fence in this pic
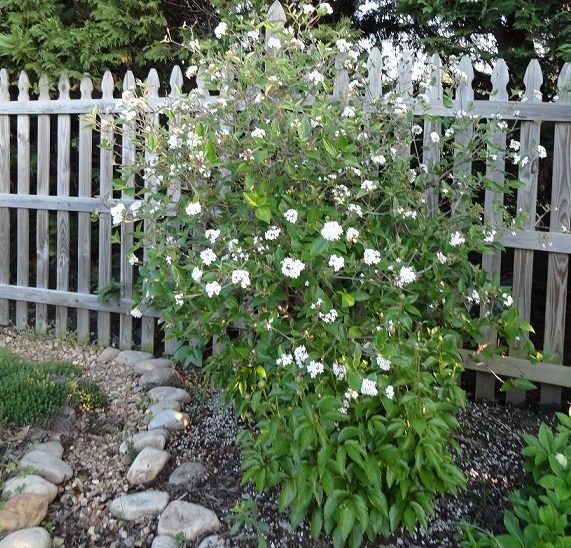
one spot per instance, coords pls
(50, 210)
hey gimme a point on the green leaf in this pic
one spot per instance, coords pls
(264, 214)
(346, 518)
(524, 384)
(347, 300)
(251, 198)
(447, 102)
(316, 522)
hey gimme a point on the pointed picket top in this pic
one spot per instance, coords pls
(374, 88)
(564, 82)
(63, 87)
(465, 91)
(4, 93)
(435, 92)
(176, 82)
(86, 87)
(23, 87)
(277, 17)
(533, 80)
(129, 84)
(107, 85)
(153, 83)
(44, 86)
(500, 80)
(404, 71)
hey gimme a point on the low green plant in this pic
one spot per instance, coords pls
(247, 525)
(33, 393)
(541, 510)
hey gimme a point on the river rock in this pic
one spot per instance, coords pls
(156, 438)
(147, 504)
(25, 510)
(159, 377)
(147, 466)
(190, 519)
(213, 541)
(161, 406)
(46, 465)
(31, 484)
(33, 537)
(187, 472)
(108, 354)
(169, 393)
(144, 366)
(131, 357)
(171, 420)
(54, 448)
(164, 541)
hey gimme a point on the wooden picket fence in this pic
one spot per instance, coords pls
(34, 197)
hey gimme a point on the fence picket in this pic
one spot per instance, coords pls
(4, 188)
(147, 322)
(558, 266)
(84, 218)
(23, 245)
(105, 189)
(526, 202)
(128, 159)
(63, 177)
(374, 86)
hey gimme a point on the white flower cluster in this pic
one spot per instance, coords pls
(406, 276)
(272, 233)
(178, 299)
(390, 392)
(368, 186)
(212, 234)
(330, 317)
(241, 277)
(285, 359)
(457, 239)
(315, 77)
(300, 355)
(196, 274)
(118, 213)
(213, 288)
(193, 208)
(352, 235)
(208, 256)
(332, 231)
(372, 257)
(315, 368)
(292, 267)
(336, 262)
(291, 216)
(258, 133)
(339, 371)
(383, 363)
(369, 388)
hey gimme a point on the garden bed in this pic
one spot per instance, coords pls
(489, 435)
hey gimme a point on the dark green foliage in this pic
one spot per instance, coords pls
(33, 393)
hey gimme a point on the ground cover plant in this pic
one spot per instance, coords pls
(286, 226)
(33, 393)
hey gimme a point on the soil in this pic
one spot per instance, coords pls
(489, 436)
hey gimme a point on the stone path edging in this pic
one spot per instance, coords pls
(30, 495)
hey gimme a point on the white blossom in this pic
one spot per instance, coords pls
(315, 77)
(208, 256)
(332, 231)
(291, 216)
(368, 186)
(541, 152)
(117, 212)
(329, 317)
(406, 276)
(178, 298)
(457, 239)
(378, 159)
(241, 277)
(213, 288)
(285, 359)
(315, 368)
(352, 235)
(371, 257)
(339, 371)
(274, 43)
(383, 363)
(196, 274)
(435, 137)
(258, 133)
(191, 71)
(221, 29)
(348, 112)
(193, 208)
(369, 388)
(136, 313)
(272, 233)
(300, 354)
(292, 267)
(325, 8)
(336, 262)
(390, 392)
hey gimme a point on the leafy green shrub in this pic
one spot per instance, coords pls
(541, 513)
(32, 393)
(303, 242)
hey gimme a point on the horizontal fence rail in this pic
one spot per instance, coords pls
(51, 186)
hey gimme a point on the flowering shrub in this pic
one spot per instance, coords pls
(303, 243)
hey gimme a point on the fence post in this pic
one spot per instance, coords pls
(63, 176)
(4, 188)
(558, 266)
(23, 244)
(84, 218)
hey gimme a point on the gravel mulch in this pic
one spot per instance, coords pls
(490, 438)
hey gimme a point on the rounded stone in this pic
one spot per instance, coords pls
(33, 537)
(159, 377)
(54, 448)
(171, 420)
(21, 511)
(131, 357)
(147, 504)
(147, 465)
(188, 472)
(169, 393)
(161, 406)
(192, 520)
(144, 366)
(46, 465)
(213, 541)
(164, 541)
(108, 354)
(156, 438)
(30, 484)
